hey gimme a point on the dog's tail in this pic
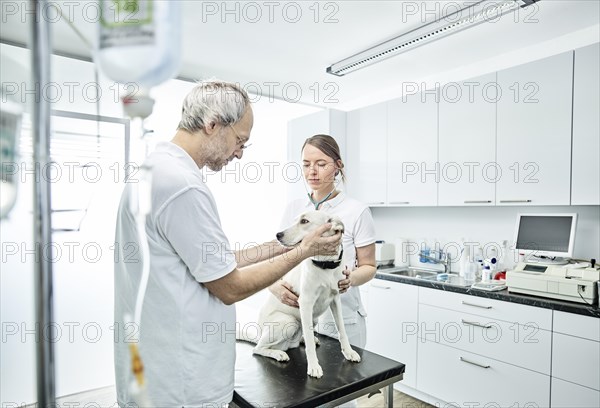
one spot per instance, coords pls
(249, 332)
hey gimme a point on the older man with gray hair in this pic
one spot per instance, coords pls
(187, 330)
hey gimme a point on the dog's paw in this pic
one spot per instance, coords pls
(280, 355)
(351, 355)
(315, 370)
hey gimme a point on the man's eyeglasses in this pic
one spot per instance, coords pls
(240, 141)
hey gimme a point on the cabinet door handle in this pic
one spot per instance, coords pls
(483, 326)
(515, 201)
(475, 305)
(464, 360)
(400, 202)
(478, 201)
(376, 203)
(373, 285)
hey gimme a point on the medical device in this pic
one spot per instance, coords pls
(139, 45)
(546, 238)
(546, 242)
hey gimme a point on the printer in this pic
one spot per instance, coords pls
(564, 282)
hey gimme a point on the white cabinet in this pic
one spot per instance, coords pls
(461, 378)
(329, 122)
(473, 349)
(366, 154)
(526, 346)
(392, 324)
(464, 350)
(575, 361)
(568, 395)
(467, 142)
(412, 150)
(534, 132)
(585, 188)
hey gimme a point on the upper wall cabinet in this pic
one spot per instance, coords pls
(534, 132)
(366, 138)
(330, 122)
(467, 142)
(585, 187)
(412, 150)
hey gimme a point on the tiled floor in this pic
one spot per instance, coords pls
(106, 397)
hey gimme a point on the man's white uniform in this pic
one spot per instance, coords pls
(187, 335)
(359, 231)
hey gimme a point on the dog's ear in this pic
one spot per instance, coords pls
(336, 224)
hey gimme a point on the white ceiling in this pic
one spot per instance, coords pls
(279, 50)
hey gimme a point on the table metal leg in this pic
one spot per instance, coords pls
(388, 396)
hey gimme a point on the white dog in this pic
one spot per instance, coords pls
(316, 283)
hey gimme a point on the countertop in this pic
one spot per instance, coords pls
(547, 303)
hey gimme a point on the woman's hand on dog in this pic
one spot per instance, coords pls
(345, 283)
(285, 293)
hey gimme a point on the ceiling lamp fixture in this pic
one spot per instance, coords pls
(477, 13)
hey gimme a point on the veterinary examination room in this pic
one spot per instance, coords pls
(252, 204)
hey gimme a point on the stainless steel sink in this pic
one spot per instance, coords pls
(410, 273)
(426, 274)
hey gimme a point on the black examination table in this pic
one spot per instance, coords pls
(264, 382)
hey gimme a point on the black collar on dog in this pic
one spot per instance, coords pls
(329, 264)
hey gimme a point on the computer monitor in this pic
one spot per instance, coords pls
(546, 238)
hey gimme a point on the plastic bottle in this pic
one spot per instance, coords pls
(465, 261)
(486, 274)
(471, 270)
(479, 262)
(424, 251)
(493, 255)
(139, 42)
(501, 265)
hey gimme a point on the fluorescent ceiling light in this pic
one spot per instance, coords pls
(480, 12)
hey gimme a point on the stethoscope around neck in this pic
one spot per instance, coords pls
(318, 203)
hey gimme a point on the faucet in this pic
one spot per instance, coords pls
(444, 261)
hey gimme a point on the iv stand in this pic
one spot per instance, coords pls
(40, 63)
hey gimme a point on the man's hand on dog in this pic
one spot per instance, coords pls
(315, 244)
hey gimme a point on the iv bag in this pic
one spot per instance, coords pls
(139, 41)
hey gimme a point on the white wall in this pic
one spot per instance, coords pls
(483, 225)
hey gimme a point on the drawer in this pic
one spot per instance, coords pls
(569, 395)
(576, 360)
(524, 346)
(461, 378)
(491, 308)
(577, 325)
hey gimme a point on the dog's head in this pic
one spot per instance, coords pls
(307, 223)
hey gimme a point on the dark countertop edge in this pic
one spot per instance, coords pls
(504, 295)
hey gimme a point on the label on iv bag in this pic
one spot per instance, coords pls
(126, 23)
